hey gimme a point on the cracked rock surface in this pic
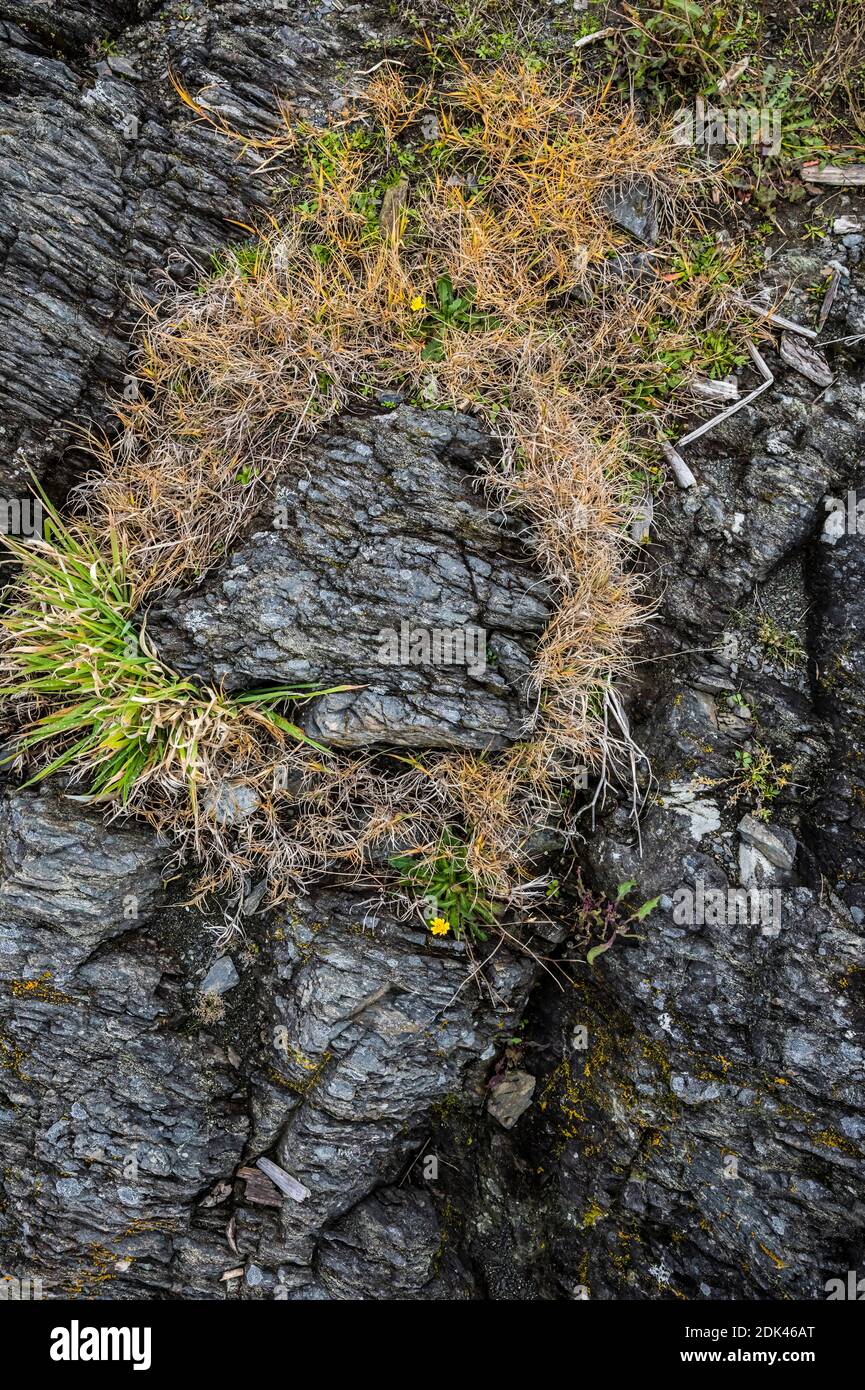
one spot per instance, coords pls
(112, 1120)
(378, 532)
(124, 1124)
(692, 1111)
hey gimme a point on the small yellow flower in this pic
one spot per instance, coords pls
(439, 926)
(417, 304)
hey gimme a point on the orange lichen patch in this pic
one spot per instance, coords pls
(11, 1058)
(40, 989)
(100, 1269)
(776, 1259)
(831, 1139)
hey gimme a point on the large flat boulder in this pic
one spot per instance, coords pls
(375, 562)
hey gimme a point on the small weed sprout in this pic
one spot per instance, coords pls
(209, 1008)
(759, 778)
(444, 888)
(782, 647)
(604, 917)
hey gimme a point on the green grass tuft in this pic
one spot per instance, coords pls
(95, 694)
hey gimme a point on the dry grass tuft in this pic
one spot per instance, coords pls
(475, 267)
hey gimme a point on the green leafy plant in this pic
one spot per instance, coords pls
(781, 646)
(706, 260)
(718, 354)
(678, 46)
(244, 258)
(675, 50)
(781, 91)
(445, 883)
(759, 778)
(451, 311)
(609, 918)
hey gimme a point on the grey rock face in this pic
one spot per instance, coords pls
(104, 176)
(111, 1121)
(774, 843)
(368, 1030)
(221, 976)
(124, 1127)
(63, 866)
(764, 475)
(837, 826)
(632, 208)
(377, 563)
(390, 1246)
(697, 1122)
(705, 1093)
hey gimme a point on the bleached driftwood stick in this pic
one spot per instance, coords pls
(682, 473)
(850, 176)
(768, 379)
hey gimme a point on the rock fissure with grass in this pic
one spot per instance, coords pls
(410, 932)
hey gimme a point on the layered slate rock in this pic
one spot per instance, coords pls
(371, 1026)
(698, 1128)
(392, 1246)
(106, 175)
(837, 584)
(66, 868)
(112, 1118)
(377, 563)
(130, 1128)
(764, 474)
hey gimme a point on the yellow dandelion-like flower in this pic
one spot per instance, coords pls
(439, 926)
(417, 304)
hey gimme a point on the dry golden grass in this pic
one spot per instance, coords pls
(233, 372)
(480, 274)
(837, 69)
